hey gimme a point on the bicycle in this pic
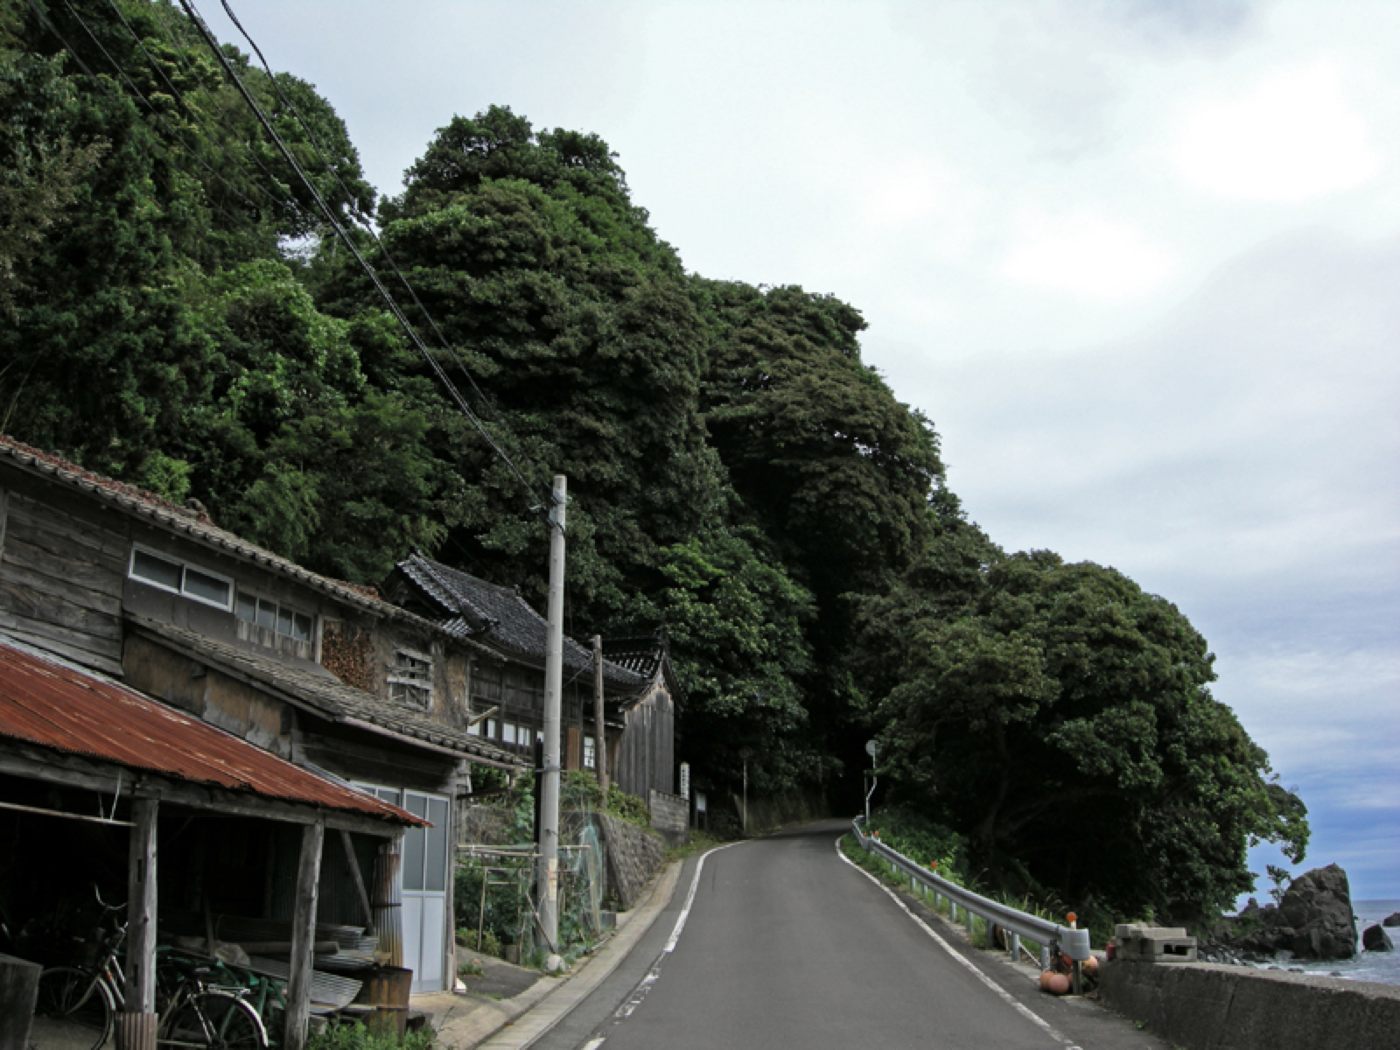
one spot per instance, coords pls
(201, 1013)
(196, 1012)
(85, 999)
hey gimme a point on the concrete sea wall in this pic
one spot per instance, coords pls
(1203, 1006)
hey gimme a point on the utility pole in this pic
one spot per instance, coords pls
(547, 883)
(600, 733)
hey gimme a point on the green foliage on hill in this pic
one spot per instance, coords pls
(1063, 719)
(177, 314)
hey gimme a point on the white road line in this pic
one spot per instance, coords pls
(644, 985)
(1020, 1007)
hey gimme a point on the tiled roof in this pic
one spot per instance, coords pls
(498, 617)
(54, 705)
(311, 686)
(641, 656)
(195, 525)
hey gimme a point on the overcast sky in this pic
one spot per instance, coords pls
(1137, 260)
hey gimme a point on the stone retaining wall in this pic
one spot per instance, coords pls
(634, 856)
(1202, 1006)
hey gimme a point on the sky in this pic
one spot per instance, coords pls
(1137, 260)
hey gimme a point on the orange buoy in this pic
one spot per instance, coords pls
(1054, 983)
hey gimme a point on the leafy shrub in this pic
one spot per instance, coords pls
(358, 1037)
(578, 790)
(923, 840)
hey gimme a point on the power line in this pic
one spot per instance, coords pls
(48, 24)
(360, 219)
(354, 250)
(150, 106)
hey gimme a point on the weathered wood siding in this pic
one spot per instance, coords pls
(61, 581)
(241, 709)
(645, 759)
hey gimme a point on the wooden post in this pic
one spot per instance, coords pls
(600, 729)
(303, 937)
(141, 908)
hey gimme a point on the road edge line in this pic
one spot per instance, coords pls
(1016, 1004)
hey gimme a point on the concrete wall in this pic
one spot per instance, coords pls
(670, 815)
(1201, 1006)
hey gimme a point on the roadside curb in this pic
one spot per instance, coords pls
(515, 1023)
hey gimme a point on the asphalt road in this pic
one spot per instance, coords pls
(784, 944)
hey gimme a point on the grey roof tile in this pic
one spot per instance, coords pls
(310, 685)
(499, 617)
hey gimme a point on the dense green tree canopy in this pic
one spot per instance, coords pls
(1061, 705)
(176, 314)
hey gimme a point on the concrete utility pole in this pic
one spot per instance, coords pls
(547, 883)
(600, 733)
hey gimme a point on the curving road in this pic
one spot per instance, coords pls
(784, 944)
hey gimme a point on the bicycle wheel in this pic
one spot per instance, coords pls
(219, 1020)
(76, 1007)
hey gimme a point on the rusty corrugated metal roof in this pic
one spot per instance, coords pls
(57, 706)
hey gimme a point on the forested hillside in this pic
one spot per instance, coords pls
(177, 313)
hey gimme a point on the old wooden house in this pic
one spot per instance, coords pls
(505, 682)
(293, 686)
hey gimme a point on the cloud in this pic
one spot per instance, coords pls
(1290, 136)
(1087, 255)
(1130, 255)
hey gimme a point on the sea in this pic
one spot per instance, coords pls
(1383, 967)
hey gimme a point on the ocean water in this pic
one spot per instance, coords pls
(1383, 967)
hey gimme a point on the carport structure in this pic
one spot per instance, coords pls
(84, 758)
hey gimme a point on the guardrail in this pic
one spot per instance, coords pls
(1050, 936)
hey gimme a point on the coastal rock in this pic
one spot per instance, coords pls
(1393, 919)
(1375, 939)
(1313, 921)
(1317, 908)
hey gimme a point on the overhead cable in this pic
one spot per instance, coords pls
(360, 219)
(329, 214)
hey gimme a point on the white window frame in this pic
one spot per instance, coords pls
(182, 591)
(279, 608)
(590, 752)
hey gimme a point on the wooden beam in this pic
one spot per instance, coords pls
(41, 811)
(357, 876)
(303, 937)
(142, 908)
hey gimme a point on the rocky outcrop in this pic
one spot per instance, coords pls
(1393, 919)
(1375, 939)
(1313, 921)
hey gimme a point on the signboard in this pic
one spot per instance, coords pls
(685, 780)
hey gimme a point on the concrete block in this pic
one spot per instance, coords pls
(1153, 944)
